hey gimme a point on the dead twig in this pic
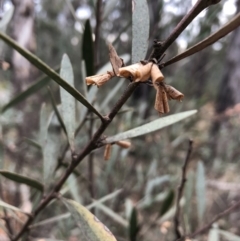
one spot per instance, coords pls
(180, 191)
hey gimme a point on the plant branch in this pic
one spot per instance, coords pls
(209, 225)
(160, 47)
(180, 191)
(226, 29)
(93, 144)
(8, 224)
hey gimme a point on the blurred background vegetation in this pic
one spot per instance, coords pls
(149, 172)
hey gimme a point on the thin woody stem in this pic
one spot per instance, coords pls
(93, 143)
(180, 191)
(77, 159)
(161, 47)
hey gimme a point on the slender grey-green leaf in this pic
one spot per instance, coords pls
(89, 225)
(43, 81)
(8, 206)
(68, 102)
(167, 203)
(67, 215)
(6, 19)
(22, 179)
(200, 191)
(56, 111)
(74, 188)
(150, 127)
(33, 59)
(229, 236)
(33, 143)
(113, 215)
(213, 234)
(43, 125)
(140, 30)
(50, 152)
(188, 194)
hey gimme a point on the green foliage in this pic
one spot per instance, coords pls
(140, 30)
(150, 127)
(22, 179)
(143, 175)
(68, 101)
(91, 227)
(167, 203)
(133, 225)
(200, 191)
(87, 49)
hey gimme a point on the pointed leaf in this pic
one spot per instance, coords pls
(226, 29)
(167, 203)
(213, 234)
(8, 206)
(50, 153)
(133, 225)
(33, 59)
(229, 236)
(68, 102)
(200, 191)
(43, 125)
(22, 179)
(113, 215)
(33, 143)
(150, 127)
(140, 30)
(6, 19)
(87, 49)
(89, 225)
(56, 111)
(43, 81)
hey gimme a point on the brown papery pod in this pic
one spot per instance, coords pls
(173, 93)
(115, 60)
(124, 144)
(156, 74)
(107, 152)
(161, 101)
(99, 79)
(136, 72)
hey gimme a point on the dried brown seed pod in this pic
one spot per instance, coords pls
(136, 72)
(115, 60)
(161, 101)
(173, 93)
(107, 152)
(99, 79)
(124, 144)
(156, 74)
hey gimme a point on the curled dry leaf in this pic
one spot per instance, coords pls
(124, 144)
(115, 60)
(99, 79)
(136, 72)
(173, 93)
(107, 152)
